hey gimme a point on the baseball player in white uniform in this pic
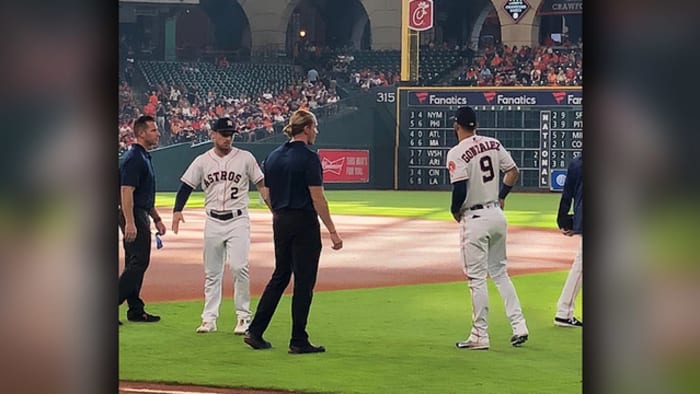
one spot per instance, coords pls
(474, 165)
(224, 173)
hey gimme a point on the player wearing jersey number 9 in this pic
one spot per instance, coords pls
(477, 204)
(224, 173)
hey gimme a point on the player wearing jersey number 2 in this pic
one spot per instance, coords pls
(477, 205)
(224, 173)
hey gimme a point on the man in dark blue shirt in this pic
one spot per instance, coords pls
(569, 226)
(294, 176)
(137, 196)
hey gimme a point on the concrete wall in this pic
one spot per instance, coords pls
(269, 18)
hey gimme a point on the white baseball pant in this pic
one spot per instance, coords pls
(483, 252)
(572, 286)
(222, 239)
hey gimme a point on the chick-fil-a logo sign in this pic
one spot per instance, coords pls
(420, 15)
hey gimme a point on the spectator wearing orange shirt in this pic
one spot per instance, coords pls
(552, 77)
(150, 109)
(496, 61)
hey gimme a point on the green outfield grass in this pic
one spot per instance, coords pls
(522, 209)
(383, 340)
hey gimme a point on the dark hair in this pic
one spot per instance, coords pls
(140, 123)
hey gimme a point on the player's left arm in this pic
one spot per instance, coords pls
(256, 174)
(264, 192)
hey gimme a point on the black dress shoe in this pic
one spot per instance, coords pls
(308, 348)
(144, 318)
(256, 342)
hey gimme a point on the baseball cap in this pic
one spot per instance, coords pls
(465, 117)
(224, 125)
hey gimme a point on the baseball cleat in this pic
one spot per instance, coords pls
(473, 345)
(517, 340)
(206, 326)
(573, 322)
(242, 326)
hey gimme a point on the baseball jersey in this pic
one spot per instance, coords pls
(225, 180)
(479, 159)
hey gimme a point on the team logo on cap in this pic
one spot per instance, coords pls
(489, 96)
(559, 96)
(229, 123)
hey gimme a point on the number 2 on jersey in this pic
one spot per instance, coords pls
(487, 166)
(234, 191)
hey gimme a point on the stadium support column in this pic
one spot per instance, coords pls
(169, 38)
(409, 48)
(523, 31)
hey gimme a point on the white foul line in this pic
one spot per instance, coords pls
(163, 391)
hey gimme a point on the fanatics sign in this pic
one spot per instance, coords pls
(344, 165)
(516, 9)
(420, 15)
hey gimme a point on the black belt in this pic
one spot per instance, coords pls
(225, 216)
(480, 206)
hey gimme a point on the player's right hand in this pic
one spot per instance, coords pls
(177, 218)
(129, 232)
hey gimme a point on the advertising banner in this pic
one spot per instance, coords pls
(510, 97)
(344, 165)
(420, 15)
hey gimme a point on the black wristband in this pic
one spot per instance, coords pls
(505, 189)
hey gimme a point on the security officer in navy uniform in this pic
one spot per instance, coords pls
(137, 196)
(294, 176)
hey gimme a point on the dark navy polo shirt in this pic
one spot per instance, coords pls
(289, 171)
(573, 190)
(136, 170)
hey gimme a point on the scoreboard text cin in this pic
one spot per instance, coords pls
(543, 133)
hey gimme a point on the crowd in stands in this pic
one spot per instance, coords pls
(547, 65)
(185, 116)
(367, 69)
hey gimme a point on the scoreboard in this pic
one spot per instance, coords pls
(542, 129)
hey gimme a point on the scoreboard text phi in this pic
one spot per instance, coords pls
(542, 128)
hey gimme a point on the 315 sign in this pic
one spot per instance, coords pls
(386, 97)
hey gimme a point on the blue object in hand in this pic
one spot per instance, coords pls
(159, 242)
